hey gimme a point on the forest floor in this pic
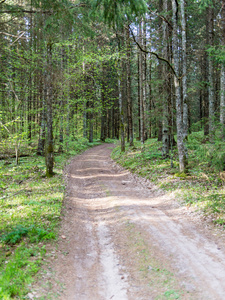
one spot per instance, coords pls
(123, 238)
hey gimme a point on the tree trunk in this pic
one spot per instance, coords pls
(128, 80)
(91, 121)
(150, 98)
(222, 76)
(180, 133)
(165, 93)
(85, 120)
(49, 150)
(61, 130)
(205, 98)
(41, 141)
(122, 131)
(141, 86)
(184, 75)
(211, 73)
(103, 117)
(145, 79)
(139, 111)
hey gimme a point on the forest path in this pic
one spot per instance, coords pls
(122, 239)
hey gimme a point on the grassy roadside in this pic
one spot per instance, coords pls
(203, 187)
(30, 208)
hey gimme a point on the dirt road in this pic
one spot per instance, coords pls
(123, 239)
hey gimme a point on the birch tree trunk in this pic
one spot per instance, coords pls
(180, 131)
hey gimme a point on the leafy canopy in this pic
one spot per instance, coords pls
(115, 10)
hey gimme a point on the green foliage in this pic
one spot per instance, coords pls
(76, 146)
(15, 235)
(211, 155)
(34, 233)
(205, 3)
(30, 208)
(18, 270)
(217, 52)
(116, 12)
(171, 294)
(144, 161)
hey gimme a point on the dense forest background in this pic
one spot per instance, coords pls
(74, 74)
(106, 69)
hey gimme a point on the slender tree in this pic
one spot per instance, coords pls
(128, 88)
(211, 93)
(180, 129)
(222, 76)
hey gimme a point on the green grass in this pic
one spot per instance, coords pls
(30, 209)
(203, 187)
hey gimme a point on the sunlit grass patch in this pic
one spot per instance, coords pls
(30, 207)
(18, 269)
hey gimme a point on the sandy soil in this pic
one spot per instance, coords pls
(122, 238)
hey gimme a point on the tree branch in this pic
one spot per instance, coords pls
(19, 37)
(25, 11)
(151, 52)
(4, 127)
(12, 35)
(163, 18)
(79, 5)
(37, 11)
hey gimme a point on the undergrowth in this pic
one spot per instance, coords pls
(203, 185)
(30, 208)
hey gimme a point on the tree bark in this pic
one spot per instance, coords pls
(180, 131)
(165, 93)
(222, 75)
(211, 74)
(128, 80)
(141, 85)
(122, 125)
(184, 65)
(42, 133)
(49, 149)
(103, 114)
